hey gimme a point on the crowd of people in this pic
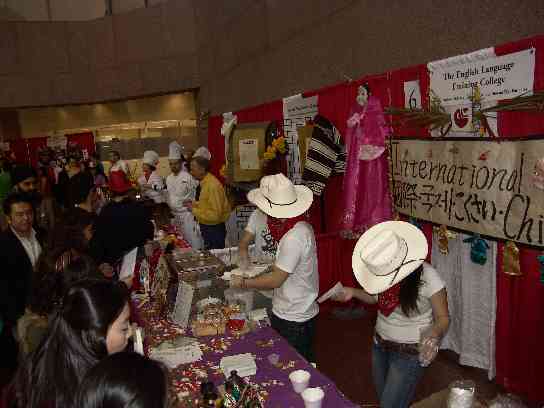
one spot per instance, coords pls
(64, 304)
(63, 308)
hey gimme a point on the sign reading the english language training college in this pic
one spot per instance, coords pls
(487, 187)
(497, 78)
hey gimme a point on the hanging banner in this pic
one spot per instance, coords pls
(491, 188)
(297, 110)
(498, 78)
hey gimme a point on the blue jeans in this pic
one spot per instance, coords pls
(395, 376)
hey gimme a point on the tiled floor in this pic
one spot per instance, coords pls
(343, 353)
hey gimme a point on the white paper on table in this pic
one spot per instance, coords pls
(174, 357)
(129, 263)
(248, 150)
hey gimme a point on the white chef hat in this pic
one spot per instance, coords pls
(174, 151)
(151, 157)
(203, 152)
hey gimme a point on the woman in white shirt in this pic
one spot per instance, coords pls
(150, 182)
(388, 262)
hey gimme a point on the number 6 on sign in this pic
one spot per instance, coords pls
(412, 95)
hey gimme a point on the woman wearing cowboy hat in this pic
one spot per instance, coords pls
(293, 276)
(388, 262)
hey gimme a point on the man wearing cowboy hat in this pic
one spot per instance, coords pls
(294, 275)
(150, 182)
(388, 262)
(181, 187)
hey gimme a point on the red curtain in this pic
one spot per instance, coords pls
(520, 300)
(83, 140)
(35, 144)
(19, 148)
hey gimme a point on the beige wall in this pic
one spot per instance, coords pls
(37, 121)
(244, 52)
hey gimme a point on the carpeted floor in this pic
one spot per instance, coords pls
(343, 349)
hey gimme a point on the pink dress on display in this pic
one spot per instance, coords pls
(367, 200)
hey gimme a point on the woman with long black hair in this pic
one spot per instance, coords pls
(388, 262)
(124, 380)
(92, 322)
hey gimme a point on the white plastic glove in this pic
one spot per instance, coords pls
(428, 347)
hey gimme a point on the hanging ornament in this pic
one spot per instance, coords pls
(510, 259)
(443, 238)
(478, 249)
(541, 261)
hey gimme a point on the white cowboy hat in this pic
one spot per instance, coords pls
(280, 198)
(174, 151)
(386, 254)
(151, 158)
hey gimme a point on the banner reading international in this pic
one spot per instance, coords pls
(497, 78)
(491, 188)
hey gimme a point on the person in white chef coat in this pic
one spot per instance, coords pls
(150, 182)
(181, 187)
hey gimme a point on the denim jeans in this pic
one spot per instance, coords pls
(213, 236)
(300, 335)
(395, 376)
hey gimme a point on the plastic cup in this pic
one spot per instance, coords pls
(273, 358)
(300, 380)
(313, 397)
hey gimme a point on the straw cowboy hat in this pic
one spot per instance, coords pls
(280, 198)
(151, 158)
(386, 254)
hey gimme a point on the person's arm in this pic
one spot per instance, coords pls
(270, 280)
(355, 293)
(243, 248)
(439, 304)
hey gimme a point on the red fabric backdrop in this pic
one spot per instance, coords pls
(520, 300)
(84, 140)
(34, 144)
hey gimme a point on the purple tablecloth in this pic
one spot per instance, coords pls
(263, 342)
(272, 381)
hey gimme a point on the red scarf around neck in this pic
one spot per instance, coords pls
(389, 300)
(279, 228)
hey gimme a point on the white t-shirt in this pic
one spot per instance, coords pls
(295, 300)
(405, 329)
(265, 246)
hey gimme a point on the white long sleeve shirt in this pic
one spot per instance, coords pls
(180, 187)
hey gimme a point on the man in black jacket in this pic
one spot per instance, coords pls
(20, 248)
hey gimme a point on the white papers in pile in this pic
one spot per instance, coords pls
(243, 364)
